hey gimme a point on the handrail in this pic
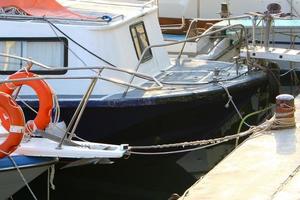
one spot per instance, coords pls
(25, 59)
(151, 3)
(82, 106)
(140, 75)
(59, 77)
(195, 21)
(26, 17)
(184, 41)
(136, 5)
(174, 26)
(117, 16)
(223, 19)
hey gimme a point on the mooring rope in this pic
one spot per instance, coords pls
(246, 117)
(201, 143)
(230, 100)
(273, 123)
(286, 181)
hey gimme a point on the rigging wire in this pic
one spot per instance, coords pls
(81, 46)
(65, 45)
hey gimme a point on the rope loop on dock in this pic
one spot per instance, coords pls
(284, 113)
(280, 123)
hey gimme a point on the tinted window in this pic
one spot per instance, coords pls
(140, 40)
(48, 51)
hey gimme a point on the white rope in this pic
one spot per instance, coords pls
(285, 118)
(230, 100)
(286, 181)
(291, 70)
(175, 152)
(56, 109)
(280, 123)
(29, 130)
(194, 143)
(207, 143)
(50, 184)
(52, 174)
(273, 123)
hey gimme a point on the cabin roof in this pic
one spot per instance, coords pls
(40, 8)
(97, 7)
(84, 10)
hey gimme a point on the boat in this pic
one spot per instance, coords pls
(267, 37)
(18, 170)
(24, 155)
(107, 64)
(175, 15)
(282, 33)
(277, 27)
(206, 9)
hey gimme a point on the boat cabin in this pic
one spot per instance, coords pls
(82, 33)
(107, 64)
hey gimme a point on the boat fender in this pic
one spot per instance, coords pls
(106, 18)
(44, 94)
(16, 124)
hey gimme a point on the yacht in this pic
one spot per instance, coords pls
(110, 59)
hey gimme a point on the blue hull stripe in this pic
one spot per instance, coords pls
(22, 161)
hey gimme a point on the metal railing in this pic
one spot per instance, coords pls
(183, 42)
(165, 27)
(194, 21)
(119, 82)
(26, 17)
(82, 105)
(148, 4)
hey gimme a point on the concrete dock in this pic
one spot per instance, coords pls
(263, 167)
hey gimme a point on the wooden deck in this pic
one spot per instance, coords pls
(264, 167)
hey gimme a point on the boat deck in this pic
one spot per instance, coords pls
(195, 77)
(263, 167)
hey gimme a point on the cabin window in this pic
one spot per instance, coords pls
(140, 40)
(49, 51)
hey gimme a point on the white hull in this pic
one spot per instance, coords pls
(11, 182)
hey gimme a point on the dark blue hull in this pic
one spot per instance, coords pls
(167, 119)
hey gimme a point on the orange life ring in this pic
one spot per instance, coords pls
(4, 119)
(16, 124)
(44, 93)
